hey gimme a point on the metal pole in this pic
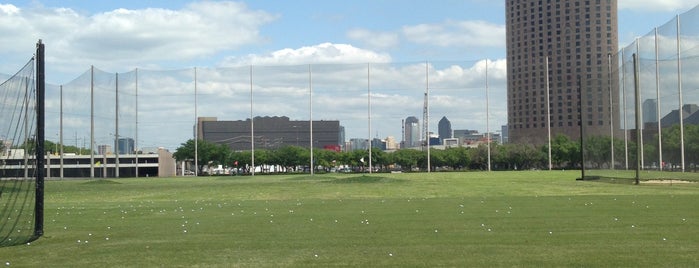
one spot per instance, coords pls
(368, 89)
(679, 87)
(116, 127)
(427, 116)
(92, 121)
(637, 105)
(623, 94)
(310, 113)
(611, 111)
(136, 134)
(548, 112)
(487, 113)
(40, 161)
(639, 142)
(657, 103)
(252, 129)
(582, 137)
(60, 132)
(196, 127)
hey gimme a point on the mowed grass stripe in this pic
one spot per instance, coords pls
(471, 219)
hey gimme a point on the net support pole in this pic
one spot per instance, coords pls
(548, 113)
(196, 128)
(60, 132)
(626, 128)
(582, 133)
(368, 96)
(136, 126)
(426, 116)
(40, 95)
(657, 102)
(611, 111)
(637, 105)
(92, 121)
(637, 84)
(679, 91)
(487, 115)
(310, 115)
(252, 128)
(116, 127)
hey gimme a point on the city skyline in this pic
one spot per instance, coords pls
(455, 41)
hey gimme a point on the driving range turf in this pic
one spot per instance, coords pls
(464, 219)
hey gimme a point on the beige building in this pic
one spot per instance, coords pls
(579, 38)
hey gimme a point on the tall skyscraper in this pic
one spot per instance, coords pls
(578, 37)
(412, 132)
(650, 111)
(444, 129)
(125, 146)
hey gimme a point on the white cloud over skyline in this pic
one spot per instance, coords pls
(655, 5)
(232, 34)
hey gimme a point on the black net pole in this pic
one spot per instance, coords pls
(40, 161)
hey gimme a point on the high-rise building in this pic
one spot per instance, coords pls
(579, 38)
(412, 135)
(125, 146)
(650, 111)
(104, 149)
(444, 129)
(270, 133)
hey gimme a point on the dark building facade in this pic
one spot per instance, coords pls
(125, 146)
(270, 133)
(578, 37)
(411, 132)
(444, 129)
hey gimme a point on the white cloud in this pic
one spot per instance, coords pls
(131, 37)
(655, 5)
(9, 9)
(374, 39)
(317, 54)
(167, 102)
(457, 33)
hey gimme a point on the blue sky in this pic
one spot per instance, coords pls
(118, 36)
(277, 25)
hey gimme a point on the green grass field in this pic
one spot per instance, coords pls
(472, 219)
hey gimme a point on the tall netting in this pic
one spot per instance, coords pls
(107, 120)
(658, 127)
(18, 165)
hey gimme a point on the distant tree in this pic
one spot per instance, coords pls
(479, 157)
(456, 158)
(518, 156)
(209, 153)
(379, 159)
(598, 150)
(291, 156)
(672, 145)
(407, 158)
(564, 151)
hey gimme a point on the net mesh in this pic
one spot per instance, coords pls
(17, 162)
(662, 145)
(99, 114)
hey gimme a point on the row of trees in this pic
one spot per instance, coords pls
(565, 154)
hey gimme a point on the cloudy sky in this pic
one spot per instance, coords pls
(118, 36)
